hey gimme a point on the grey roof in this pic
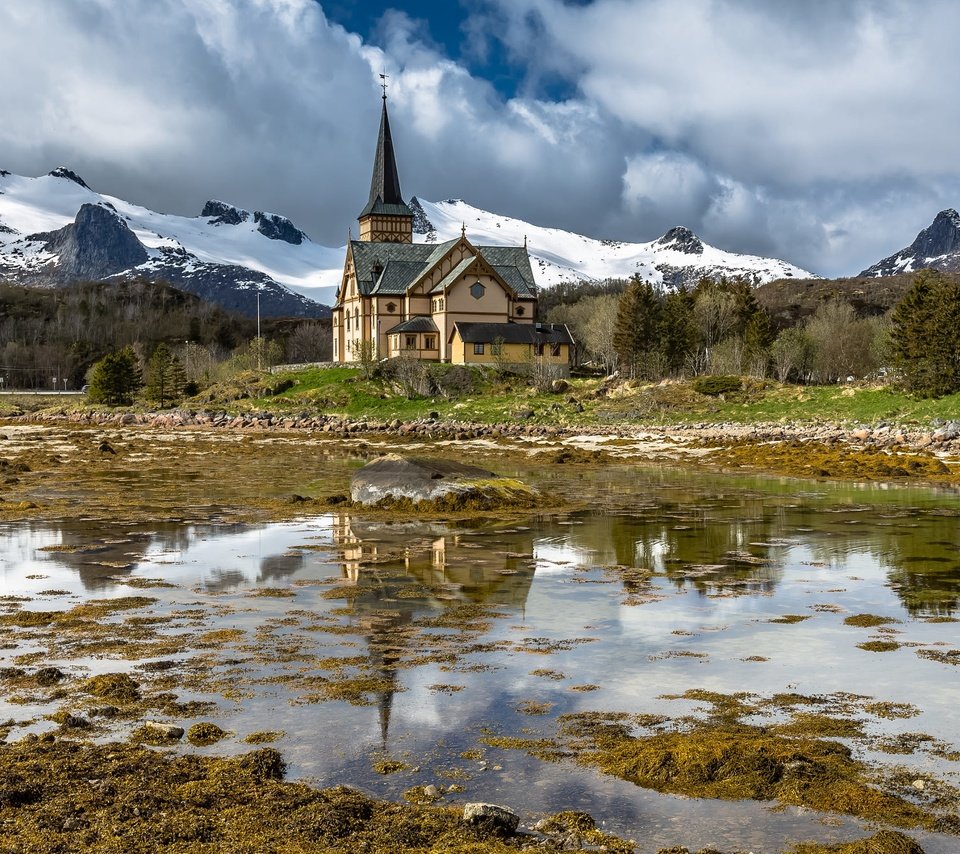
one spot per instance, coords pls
(415, 324)
(513, 277)
(385, 197)
(402, 264)
(515, 257)
(453, 275)
(396, 276)
(514, 333)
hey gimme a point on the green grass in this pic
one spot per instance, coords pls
(344, 391)
(774, 403)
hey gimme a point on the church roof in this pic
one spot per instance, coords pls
(385, 197)
(415, 324)
(391, 268)
(513, 333)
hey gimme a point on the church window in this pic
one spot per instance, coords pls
(410, 342)
(391, 307)
(477, 290)
(348, 321)
(520, 311)
(429, 342)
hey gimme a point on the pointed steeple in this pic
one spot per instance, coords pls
(386, 216)
(385, 184)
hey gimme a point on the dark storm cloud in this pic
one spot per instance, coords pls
(820, 132)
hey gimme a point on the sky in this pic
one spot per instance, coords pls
(816, 131)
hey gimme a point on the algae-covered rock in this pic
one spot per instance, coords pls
(500, 818)
(394, 480)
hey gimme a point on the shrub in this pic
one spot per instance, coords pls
(715, 386)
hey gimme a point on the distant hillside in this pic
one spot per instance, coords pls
(789, 301)
(55, 230)
(60, 332)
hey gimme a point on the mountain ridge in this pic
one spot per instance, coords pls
(229, 254)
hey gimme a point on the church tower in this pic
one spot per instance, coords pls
(386, 218)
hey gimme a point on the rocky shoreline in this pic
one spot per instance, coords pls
(941, 438)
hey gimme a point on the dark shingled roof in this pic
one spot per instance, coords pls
(415, 324)
(513, 333)
(385, 197)
(401, 264)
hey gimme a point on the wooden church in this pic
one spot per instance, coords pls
(451, 302)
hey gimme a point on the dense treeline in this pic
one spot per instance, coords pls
(61, 332)
(906, 328)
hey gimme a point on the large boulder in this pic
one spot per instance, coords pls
(393, 479)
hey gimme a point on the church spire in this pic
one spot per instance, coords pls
(386, 216)
(385, 184)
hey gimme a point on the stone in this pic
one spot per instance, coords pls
(168, 731)
(502, 818)
(394, 477)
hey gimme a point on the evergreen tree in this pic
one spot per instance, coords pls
(165, 377)
(636, 330)
(757, 338)
(925, 336)
(115, 378)
(678, 331)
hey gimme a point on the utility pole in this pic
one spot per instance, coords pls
(259, 340)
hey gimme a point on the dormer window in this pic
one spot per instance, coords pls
(477, 290)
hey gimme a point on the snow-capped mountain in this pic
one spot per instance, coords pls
(678, 257)
(55, 229)
(937, 247)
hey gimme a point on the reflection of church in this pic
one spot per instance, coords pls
(388, 563)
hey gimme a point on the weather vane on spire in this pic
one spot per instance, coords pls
(383, 84)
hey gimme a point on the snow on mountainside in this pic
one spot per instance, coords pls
(678, 257)
(56, 229)
(937, 247)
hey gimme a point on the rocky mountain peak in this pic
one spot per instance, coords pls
(681, 239)
(421, 222)
(937, 246)
(221, 213)
(941, 237)
(96, 245)
(278, 227)
(69, 174)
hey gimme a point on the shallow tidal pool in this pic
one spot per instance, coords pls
(413, 654)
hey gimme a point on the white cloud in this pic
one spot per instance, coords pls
(818, 131)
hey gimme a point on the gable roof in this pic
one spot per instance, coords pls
(513, 333)
(402, 264)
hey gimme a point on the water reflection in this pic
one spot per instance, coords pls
(673, 583)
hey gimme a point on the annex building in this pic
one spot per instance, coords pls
(450, 302)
